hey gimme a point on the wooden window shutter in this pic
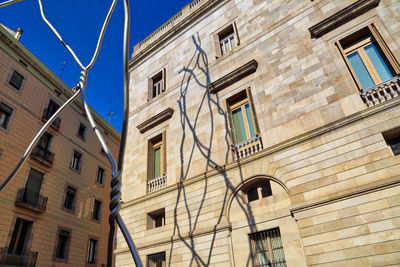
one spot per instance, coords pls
(253, 110)
(164, 76)
(230, 123)
(164, 153)
(149, 89)
(216, 45)
(236, 33)
(393, 62)
(150, 160)
(349, 67)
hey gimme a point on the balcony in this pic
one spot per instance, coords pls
(31, 200)
(43, 155)
(156, 184)
(381, 92)
(47, 115)
(26, 258)
(247, 148)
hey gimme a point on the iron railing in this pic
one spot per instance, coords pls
(281, 263)
(381, 92)
(43, 155)
(47, 115)
(31, 200)
(155, 260)
(247, 148)
(156, 183)
(25, 258)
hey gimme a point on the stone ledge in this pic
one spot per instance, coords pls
(234, 76)
(155, 120)
(342, 17)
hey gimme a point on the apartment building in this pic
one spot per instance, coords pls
(54, 212)
(266, 133)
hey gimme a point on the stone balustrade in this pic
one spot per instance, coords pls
(156, 183)
(247, 148)
(381, 92)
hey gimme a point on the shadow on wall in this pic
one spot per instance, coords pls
(196, 76)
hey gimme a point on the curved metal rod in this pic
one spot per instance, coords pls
(99, 41)
(10, 2)
(37, 137)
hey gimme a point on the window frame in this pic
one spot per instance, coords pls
(59, 229)
(10, 117)
(151, 219)
(381, 45)
(79, 162)
(83, 138)
(158, 141)
(98, 220)
(148, 258)
(65, 196)
(87, 263)
(103, 178)
(222, 31)
(163, 81)
(257, 184)
(9, 77)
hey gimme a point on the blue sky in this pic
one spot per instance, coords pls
(79, 22)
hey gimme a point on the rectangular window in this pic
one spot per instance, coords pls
(92, 250)
(100, 176)
(76, 161)
(20, 237)
(5, 115)
(16, 80)
(52, 107)
(157, 84)
(70, 196)
(156, 158)
(392, 138)
(62, 244)
(367, 57)
(258, 190)
(226, 40)
(32, 187)
(156, 219)
(242, 117)
(82, 131)
(267, 248)
(156, 260)
(96, 210)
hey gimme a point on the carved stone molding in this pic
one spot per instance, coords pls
(342, 17)
(234, 76)
(155, 120)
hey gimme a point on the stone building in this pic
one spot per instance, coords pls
(54, 212)
(266, 133)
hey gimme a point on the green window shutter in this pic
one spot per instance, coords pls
(157, 162)
(253, 111)
(150, 161)
(238, 123)
(164, 153)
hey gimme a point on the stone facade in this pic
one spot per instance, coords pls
(334, 179)
(46, 216)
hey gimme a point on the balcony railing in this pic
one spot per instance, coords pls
(31, 200)
(247, 148)
(47, 115)
(381, 92)
(43, 155)
(156, 183)
(26, 258)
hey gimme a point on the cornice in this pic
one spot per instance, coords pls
(234, 76)
(155, 120)
(344, 15)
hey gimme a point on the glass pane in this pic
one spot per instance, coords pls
(395, 145)
(238, 122)
(252, 194)
(157, 163)
(266, 190)
(379, 63)
(226, 43)
(361, 71)
(250, 120)
(232, 39)
(263, 258)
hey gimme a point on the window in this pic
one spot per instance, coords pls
(156, 158)
(16, 80)
(392, 139)
(76, 161)
(156, 260)
(258, 190)
(100, 176)
(45, 141)
(52, 107)
(367, 57)
(226, 40)
(242, 117)
(5, 115)
(96, 210)
(62, 246)
(20, 237)
(32, 187)
(81, 131)
(157, 84)
(156, 219)
(92, 251)
(69, 199)
(267, 248)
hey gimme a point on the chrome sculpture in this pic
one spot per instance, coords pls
(79, 89)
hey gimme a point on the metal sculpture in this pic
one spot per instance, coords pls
(79, 89)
